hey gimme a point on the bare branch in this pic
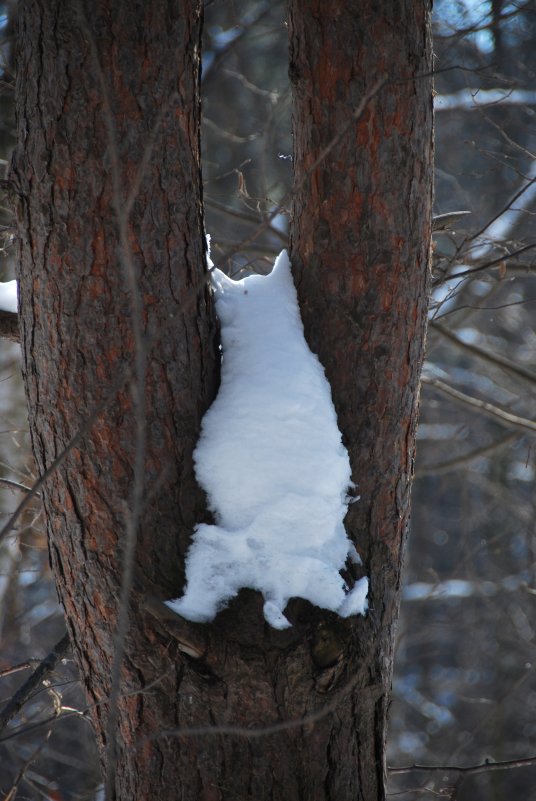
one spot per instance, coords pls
(84, 429)
(459, 461)
(21, 775)
(443, 222)
(229, 135)
(30, 663)
(498, 262)
(257, 732)
(191, 640)
(500, 229)
(471, 99)
(245, 216)
(485, 355)
(489, 409)
(68, 712)
(212, 70)
(357, 114)
(15, 704)
(484, 767)
(7, 482)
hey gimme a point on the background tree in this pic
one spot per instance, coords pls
(465, 687)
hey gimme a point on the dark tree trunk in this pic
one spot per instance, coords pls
(78, 329)
(127, 72)
(362, 129)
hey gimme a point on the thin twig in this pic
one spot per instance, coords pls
(84, 429)
(30, 663)
(213, 68)
(68, 712)
(12, 792)
(481, 307)
(7, 482)
(498, 262)
(485, 355)
(484, 767)
(257, 732)
(245, 216)
(505, 208)
(46, 666)
(375, 691)
(489, 409)
(460, 461)
(281, 206)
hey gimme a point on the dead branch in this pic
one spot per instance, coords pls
(485, 355)
(489, 409)
(47, 665)
(484, 767)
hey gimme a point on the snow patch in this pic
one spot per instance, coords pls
(271, 459)
(8, 296)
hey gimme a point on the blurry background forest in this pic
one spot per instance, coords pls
(465, 671)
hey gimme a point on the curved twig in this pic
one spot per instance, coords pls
(489, 409)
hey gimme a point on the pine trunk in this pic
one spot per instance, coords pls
(362, 125)
(108, 120)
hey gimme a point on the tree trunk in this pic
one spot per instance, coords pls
(108, 123)
(104, 88)
(362, 124)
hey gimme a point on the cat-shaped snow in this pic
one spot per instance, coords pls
(271, 460)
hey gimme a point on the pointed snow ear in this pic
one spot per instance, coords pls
(281, 271)
(282, 263)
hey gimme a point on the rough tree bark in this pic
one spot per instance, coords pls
(362, 91)
(78, 330)
(127, 72)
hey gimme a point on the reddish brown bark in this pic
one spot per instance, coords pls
(362, 279)
(360, 246)
(77, 328)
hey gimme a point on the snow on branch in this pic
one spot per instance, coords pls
(272, 462)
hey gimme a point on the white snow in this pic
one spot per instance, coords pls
(8, 296)
(271, 460)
